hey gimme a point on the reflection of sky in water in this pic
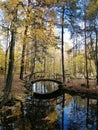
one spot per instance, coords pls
(44, 87)
(75, 117)
(1, 128)
(66, 112)
(75, 110)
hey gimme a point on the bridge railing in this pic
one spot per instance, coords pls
(42, 75)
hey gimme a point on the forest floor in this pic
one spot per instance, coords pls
(79, 87)
(18, 90)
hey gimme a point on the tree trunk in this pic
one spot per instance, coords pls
(62, 51)
(6, 54)
(23, 54)
(22, 67)
(86, 61)
(96, 62)
(33, 61)
(9, 78)
(32, 69)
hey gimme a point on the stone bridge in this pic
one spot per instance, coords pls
(37, 77)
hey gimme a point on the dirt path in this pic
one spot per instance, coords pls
(18, 90)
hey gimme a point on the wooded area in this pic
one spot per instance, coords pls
(32, 40)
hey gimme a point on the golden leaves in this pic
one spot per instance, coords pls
(13, 3)
(51, 1)
(9, 8)
(2, 57)
(92, 10)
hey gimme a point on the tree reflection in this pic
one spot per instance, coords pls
(92, 114)
(97, 117)
(56, 114)
(80, 114)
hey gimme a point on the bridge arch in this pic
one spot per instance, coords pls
(50, 95)
(46, 79)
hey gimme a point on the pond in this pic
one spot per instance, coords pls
(62, 113)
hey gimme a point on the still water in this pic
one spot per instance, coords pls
(79, 114)
(62, 113)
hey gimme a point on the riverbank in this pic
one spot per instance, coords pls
(79, 87)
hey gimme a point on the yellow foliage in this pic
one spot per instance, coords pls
(48, 1)
(13, 3)
(93, 8)
(53, 116)
(2, 57)
(51, 1)
(17, 110)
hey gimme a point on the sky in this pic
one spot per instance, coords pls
(67, 38)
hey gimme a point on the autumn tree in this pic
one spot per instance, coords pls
(92, 16)
(26, 26)
(12, 8)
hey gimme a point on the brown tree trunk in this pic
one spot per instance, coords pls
(23, 54)
(96, 62)
(9, 78)
(62, 51)
(33, 61)
(32, 69)
(22, 67)
(86, 60)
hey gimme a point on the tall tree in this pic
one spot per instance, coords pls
(92, 17)
(62, 39)
(9, 78)
(86, 58)
(24, 41)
